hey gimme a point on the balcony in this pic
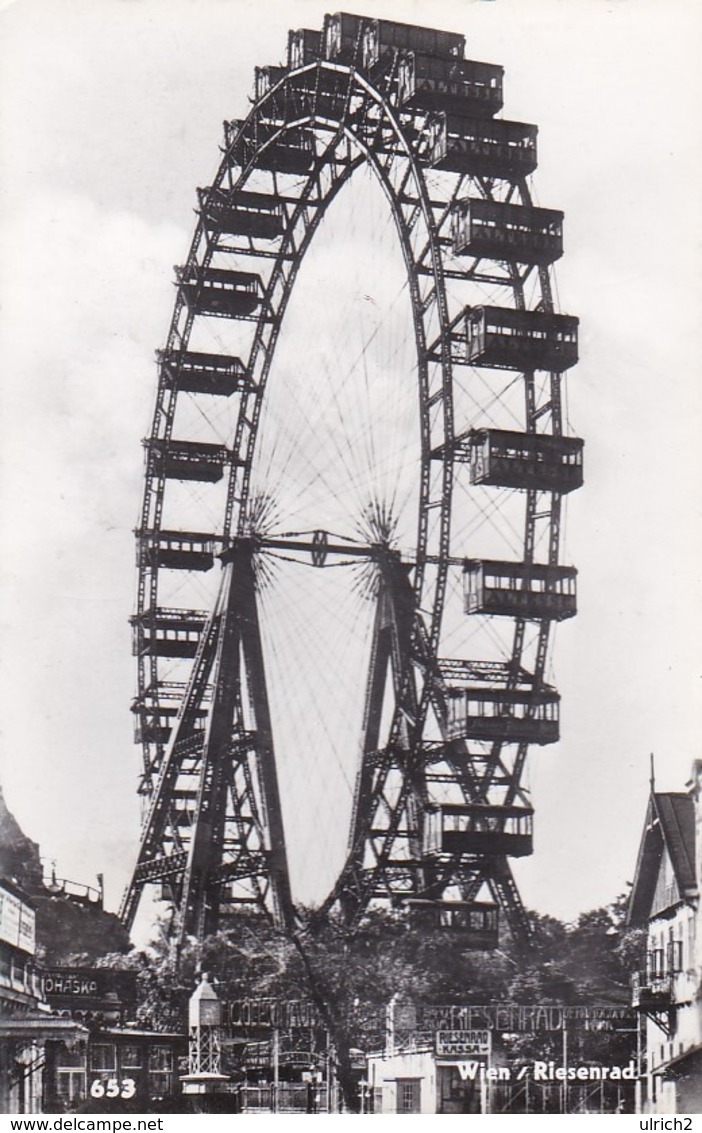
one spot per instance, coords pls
(502, 459)
(506, 339)
(458, 86)
(481, 146)
(520, 590)
(507, 232)
(651, 992)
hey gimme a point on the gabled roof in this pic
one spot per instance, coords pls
(670, 825)
(677, 817)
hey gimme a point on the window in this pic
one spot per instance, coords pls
(408, 1095)
(130, 1057)
(69, 1057)
(103, 1056)
(70, 1086)
(674, 957)
(160, 1071)
(160, 1058)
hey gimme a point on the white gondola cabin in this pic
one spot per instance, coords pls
(501, 458)
(218, 292)
(508, 232)
(425, 82)
(164, 632)
(519, 590)
(478, 828)
(492, 147)
(241, 213)
(216, 374)
(507, 715)
(507, 339)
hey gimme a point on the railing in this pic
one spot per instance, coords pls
(650, 991)
(75, 890)
(285, 1097)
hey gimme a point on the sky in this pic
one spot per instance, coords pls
(110, 116)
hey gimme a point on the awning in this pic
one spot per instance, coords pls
(41, 1028)
(683, 1064)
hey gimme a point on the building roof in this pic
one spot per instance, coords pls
(11, 885)
(41, 1027)
(135, 1033)
(677, 817)
(688, 1062)
(670, 826)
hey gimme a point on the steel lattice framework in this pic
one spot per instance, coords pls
(439, 803)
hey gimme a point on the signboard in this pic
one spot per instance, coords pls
(71, 984)
(284, 1014)
(90, 989)
(526, 1018)
(463, 1044)
(17, 922)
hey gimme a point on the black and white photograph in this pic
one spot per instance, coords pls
(351, 584)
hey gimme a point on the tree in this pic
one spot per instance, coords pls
(351, 977)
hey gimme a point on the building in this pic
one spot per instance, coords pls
(26, 1024)
(667, 990)
(62, 1043)
(428, 1079)
(20, 982)
(115, 1069)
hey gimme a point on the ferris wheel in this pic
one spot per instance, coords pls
(349, 551)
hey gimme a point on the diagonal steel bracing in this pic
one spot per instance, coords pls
(213, 835)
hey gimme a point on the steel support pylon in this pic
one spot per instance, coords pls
(386, 859)
(213, 835)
